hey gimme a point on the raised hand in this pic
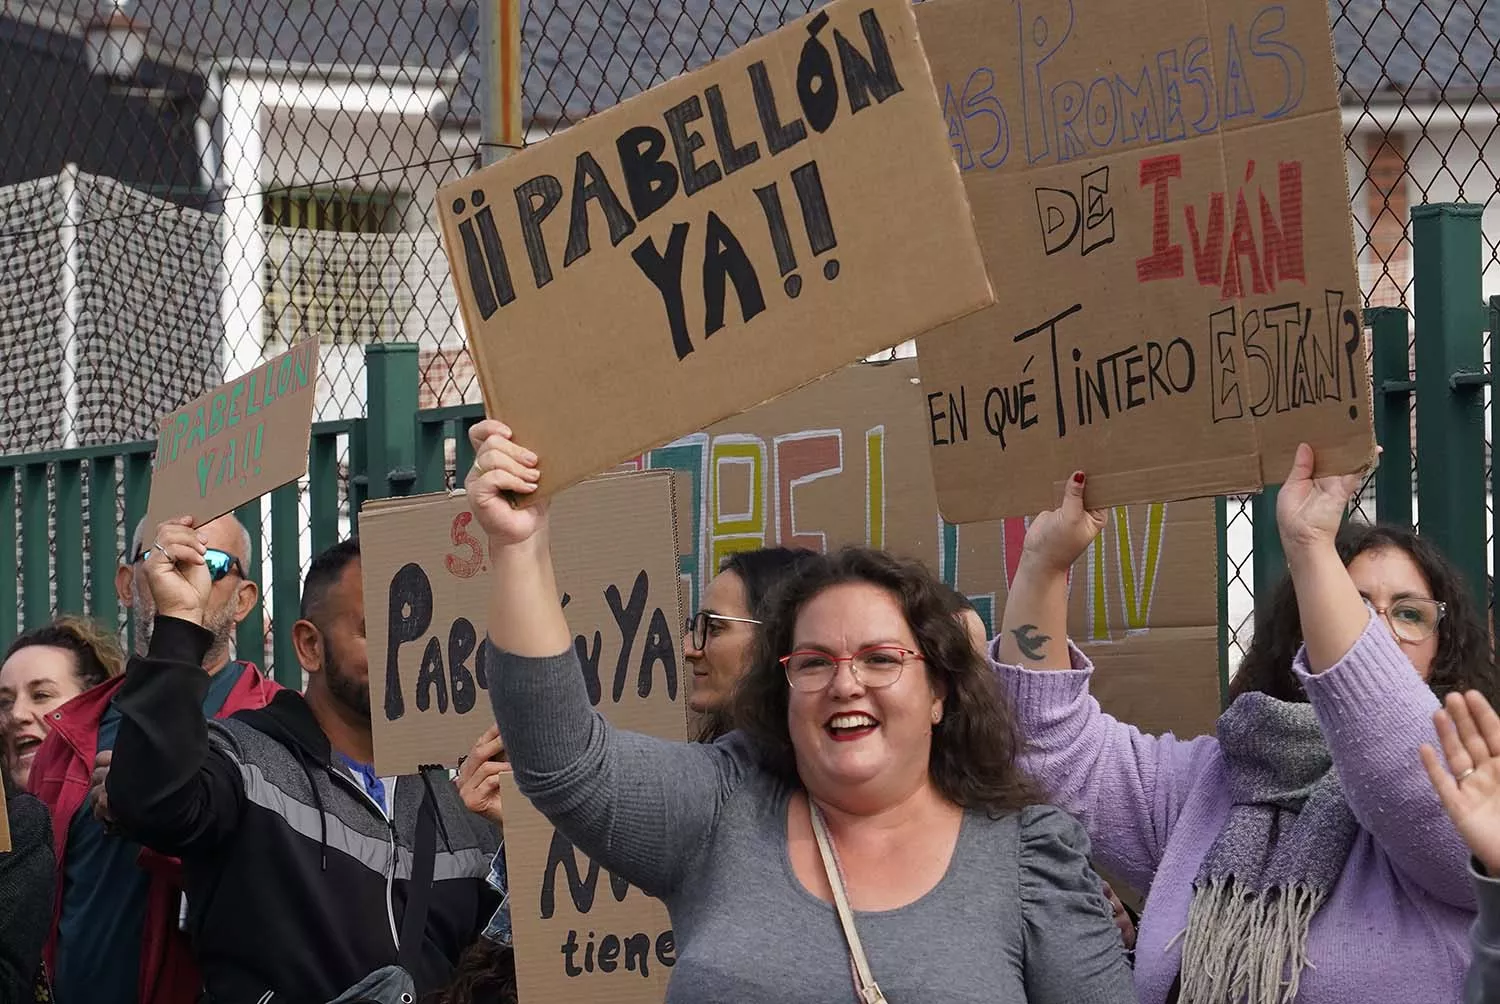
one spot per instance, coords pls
(1057, 537)
(176, 573)
(479, 776)
(1310, 510)
(502, 468)
(1469, 731)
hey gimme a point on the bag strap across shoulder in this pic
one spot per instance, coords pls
(869, 991)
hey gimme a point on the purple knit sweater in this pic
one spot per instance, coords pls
(1395, 928)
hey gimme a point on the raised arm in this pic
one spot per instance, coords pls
(1124, 786)
(1375, 711)
(640, 807)
(167, 787)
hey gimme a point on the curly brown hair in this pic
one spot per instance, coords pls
(976, 746)
(96, 653)
(1465, 659)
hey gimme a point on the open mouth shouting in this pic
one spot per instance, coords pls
(851, 725)
(25, 746)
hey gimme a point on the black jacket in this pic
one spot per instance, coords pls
(296, 880)
(26, 891)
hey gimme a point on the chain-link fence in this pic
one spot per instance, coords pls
(304, 143)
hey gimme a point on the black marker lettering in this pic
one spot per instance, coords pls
(725, 258)
(549, 191)
(665, 273)
(687, 143)
(861, 79)
(590, 183)
(650, 182)
(410, 614)
(733, 157)
(779, 136)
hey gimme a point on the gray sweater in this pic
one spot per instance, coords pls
(1484, 974)
(1019, 916)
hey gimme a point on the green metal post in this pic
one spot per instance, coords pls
(1494, 444)
(250, 637)
(1450, 379)
(36, 592)
(286, 585)
(1267, 561)
(432, 455)
(67, 522)
(323, 490)
(10, 571)
(391, 392)
(359, 466)
(1393, 392)
(463, 452)
(1221, 537)
(104, 548)
(137, 496)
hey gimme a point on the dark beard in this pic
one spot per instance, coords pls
(352, 694)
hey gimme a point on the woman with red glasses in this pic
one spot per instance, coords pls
(865, 834)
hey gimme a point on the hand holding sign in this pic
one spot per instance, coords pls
(479, 776)
(1309, 510)
(176, 572)
(500, 468)
(1058, 537)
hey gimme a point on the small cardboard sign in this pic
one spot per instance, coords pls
(1163, 206)
(841, 461)
(426, 582)
(714, 242)
(238, 442)
(425, 573)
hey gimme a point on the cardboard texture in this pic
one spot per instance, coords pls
(4, 823)
(1162, 203)
(616, 552)
(238, 441)
(716, 241)
(841, 461)
(427, 595)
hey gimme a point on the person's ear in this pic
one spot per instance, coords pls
(245, 599)
(307, 641)
(125, 585)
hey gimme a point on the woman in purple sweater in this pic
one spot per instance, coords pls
(1300, 854)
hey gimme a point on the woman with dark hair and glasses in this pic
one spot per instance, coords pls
(718, 639)
(1299, 854)
(866, 830)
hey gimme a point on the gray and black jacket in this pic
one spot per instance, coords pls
(296, 880)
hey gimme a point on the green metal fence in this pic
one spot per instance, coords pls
(66, 516)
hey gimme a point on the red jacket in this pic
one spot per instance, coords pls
(60, 777)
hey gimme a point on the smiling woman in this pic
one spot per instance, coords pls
(867, 833)
(43, 669)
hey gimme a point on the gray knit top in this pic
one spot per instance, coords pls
(1018, 917)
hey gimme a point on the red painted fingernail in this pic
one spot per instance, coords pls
(1078, 478)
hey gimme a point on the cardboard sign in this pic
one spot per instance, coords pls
(841, 462)
(427, 595)
(238, 441)
(1162, 203)
(714, 242)
(4, 823)
(427, 598)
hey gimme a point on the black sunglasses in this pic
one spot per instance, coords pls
(220, 563)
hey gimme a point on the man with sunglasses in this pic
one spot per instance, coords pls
(115, 935)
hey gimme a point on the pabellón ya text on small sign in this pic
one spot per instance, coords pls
(661, 164)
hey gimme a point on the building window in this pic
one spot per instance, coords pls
(335, 267)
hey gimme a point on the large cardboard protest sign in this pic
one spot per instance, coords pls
(716, 241)
(238, 441)
(1161, 198)
(577, 930)
(843, 461)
